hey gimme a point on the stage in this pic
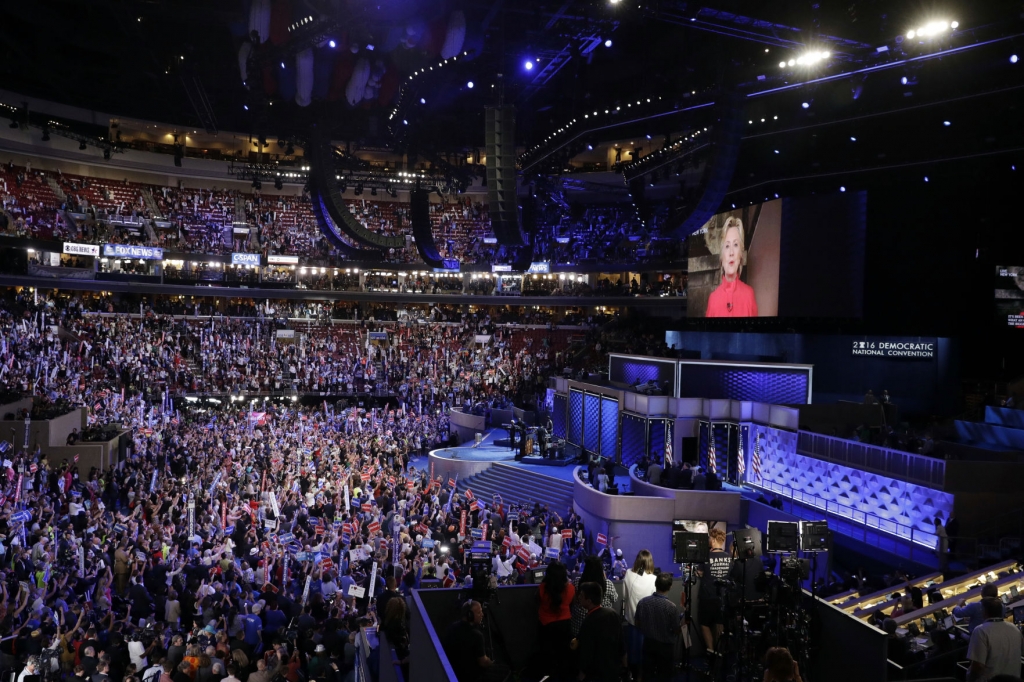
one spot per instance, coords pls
(471, 458)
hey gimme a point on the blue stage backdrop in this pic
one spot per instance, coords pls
(575, 417)
(634, 439)
(631, 370)
(610, 428)
(930, 385)
(774, 385)
(656, 441)
(558, 416)
(893, 506)
(591, 422)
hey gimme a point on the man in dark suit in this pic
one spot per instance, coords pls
(599, 642)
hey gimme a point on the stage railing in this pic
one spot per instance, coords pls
(905, 466)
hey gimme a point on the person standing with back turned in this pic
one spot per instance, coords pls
(996, 646)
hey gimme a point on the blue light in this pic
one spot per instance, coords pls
(946, 123)
(648, 137)
(404, 122)
(608, 43)
(528, 65)
(590, 147)
(1013, 59)
(926, 178)
(332, 44)
(776, 151)
(776, 195)
(422, 101)
(842, 189)
(853, 139)
(806, 105)
(903, 80)
(282, 65)
(246, 107)
(469, 85)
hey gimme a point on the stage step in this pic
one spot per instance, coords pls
(519, 485)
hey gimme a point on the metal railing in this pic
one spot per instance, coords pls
(905, 466)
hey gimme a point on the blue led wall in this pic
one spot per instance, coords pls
(633, 371)
(656, 440)
(634, 439)
(575, 418)
(558, 415)
(878, 501)
(774, 385)
(591, 422)
(610, 428)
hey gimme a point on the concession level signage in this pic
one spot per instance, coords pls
(906, 349)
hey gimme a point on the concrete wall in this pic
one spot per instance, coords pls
(634, 522)
(466, 425)
(699, 505)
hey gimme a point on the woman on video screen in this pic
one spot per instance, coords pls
(732, 298)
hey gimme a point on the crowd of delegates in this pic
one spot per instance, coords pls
(424, 365)
(201, 221)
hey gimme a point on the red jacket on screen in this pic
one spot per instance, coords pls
(732, 299)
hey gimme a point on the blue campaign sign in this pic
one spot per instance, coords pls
(477, 533)
(229, 530)
(21, 516)
(285, 538)
(551, 552)
(427, 543)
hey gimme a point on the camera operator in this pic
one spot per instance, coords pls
(745, 572)
(464, 644)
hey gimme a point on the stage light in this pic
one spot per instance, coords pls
(926, 178)
(776, 151)
(946, 123)
(932, 28)
(246, 107)
(282, 65)
(806, 105)
(903, 81)
(842, 189)
(782, 65)
(332, 44)
(608, 43)
(405, 122)
(813, 57)
(469, 85)
(528, 65)
(422, 100)
(1013, 59)
(590, 147)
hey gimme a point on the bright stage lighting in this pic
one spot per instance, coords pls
(932, 28)
(813, 57)
(528, 65)
(608, 43)
(806, 105)
(332, 43)
(1013, 59)
(469, 85)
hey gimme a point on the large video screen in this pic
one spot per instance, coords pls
(1010, 295)
(733, 268)
(793, 257)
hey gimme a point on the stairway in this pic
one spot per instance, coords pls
(154, 210)
(523, 486)
(57, 191)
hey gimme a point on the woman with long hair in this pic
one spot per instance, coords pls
(637, 584)
(780, 666)
(397, 631)
(593, 572)
(555, 596)
(732, 297)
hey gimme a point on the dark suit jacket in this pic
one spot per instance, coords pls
(601, 646)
